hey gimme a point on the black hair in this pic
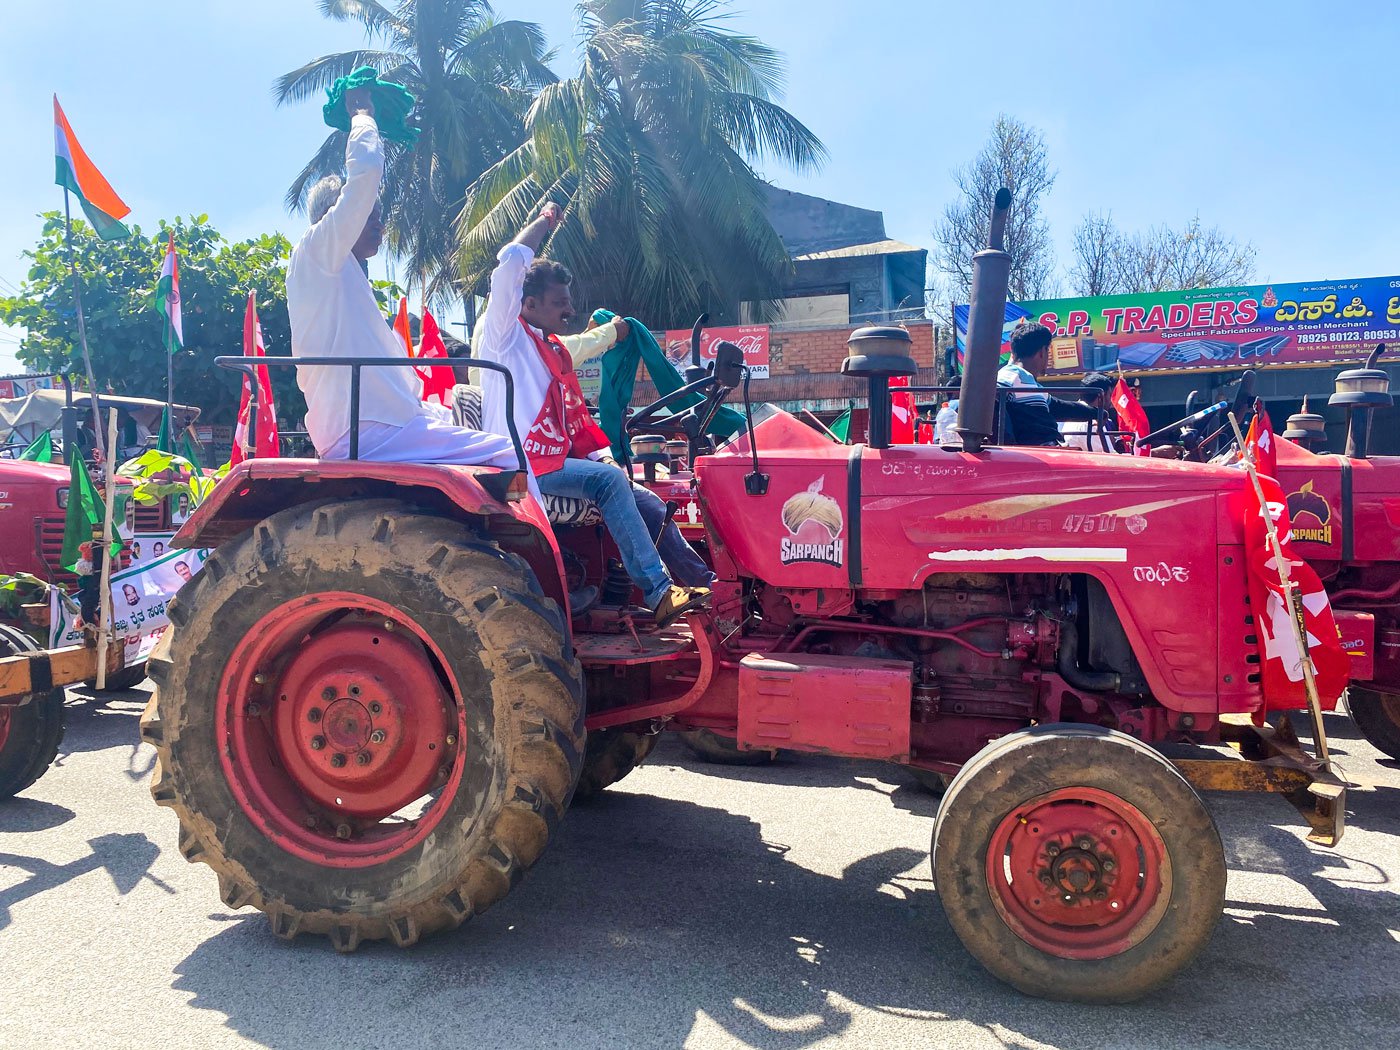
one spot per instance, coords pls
(541, 274)
(1029, 339)
(1098, 381)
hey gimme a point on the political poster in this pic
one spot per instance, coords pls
(1316, 323)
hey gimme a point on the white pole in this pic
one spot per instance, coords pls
(104, 619)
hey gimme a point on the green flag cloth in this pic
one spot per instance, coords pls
(841, 426)
(164, 443)
(85, 513)
(188, 450)
(40, 450)
(619, 367)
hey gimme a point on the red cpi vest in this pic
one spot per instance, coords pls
(564, 428)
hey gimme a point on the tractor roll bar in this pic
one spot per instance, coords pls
(248, 365)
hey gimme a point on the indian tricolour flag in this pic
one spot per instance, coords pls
(76, 173)
(168, 297)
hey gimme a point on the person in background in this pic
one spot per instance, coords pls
(1031, 412)
(529, 307)
(334, 314)
(946, 419)
(1090, 436)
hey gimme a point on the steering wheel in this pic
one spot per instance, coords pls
(726, 374)
(652, 420)
(1192, 433)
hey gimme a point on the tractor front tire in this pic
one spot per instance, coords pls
(608, 756)
(368, 721)
(120, 681)
(29, 735)
(1377, 716)
(1076, 863)
(709, 746)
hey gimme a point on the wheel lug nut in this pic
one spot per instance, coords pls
(260, 679)
(1084, 844)
(354, 690)
(362, 758)
(310, 821)
(317, 742)
(451, 740)
(388, 625)
(1108, 864)
(378, 737)
(342, 831)
(375, 708)
(254, 710)
(328, 693)
(1045, 878)
(1053, 849)
(314, 715)
(1100, 895)
(337, 760)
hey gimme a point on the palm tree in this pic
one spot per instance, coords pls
(650, 151)
(474, 77)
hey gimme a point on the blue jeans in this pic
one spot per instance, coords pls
(611, 489)
(687, 568)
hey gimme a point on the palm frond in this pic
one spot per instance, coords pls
(319, 74)
(328, 159)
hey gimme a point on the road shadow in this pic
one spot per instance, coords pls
(100, 721)
(127, 859)
(21, 814)
(652, 921)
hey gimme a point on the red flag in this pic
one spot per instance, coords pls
(1132, 417)
(437, 382)
(902, 413)
(1259, 442)
(401, 327)
(1280, 662)
(266, 431)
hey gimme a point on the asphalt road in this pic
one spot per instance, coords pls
(691, 906)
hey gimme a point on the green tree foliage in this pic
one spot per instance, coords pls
(124, 329)
(474, 77)
(650, 150)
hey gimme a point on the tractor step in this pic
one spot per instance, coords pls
(627, 649)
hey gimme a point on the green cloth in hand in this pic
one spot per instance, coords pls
(392, 104)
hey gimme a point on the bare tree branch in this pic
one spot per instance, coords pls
(1015, 156)
(1161, 259)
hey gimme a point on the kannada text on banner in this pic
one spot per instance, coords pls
(1315, 323)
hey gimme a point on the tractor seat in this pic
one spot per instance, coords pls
(561, 510)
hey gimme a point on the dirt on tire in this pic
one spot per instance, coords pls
(609, 755)
(519, 691)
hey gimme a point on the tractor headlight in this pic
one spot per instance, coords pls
(62, 498)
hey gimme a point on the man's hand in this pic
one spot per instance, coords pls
(551, 214)
(622, 328)
(533, 235)
(359, 100)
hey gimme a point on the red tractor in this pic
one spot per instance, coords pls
(373, 707)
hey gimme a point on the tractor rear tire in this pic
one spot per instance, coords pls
(608, 756)
(1377, 716)
(29, 735)
(709, 746)
(1076, 863)
(368, 721)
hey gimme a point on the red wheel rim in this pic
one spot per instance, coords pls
(336, 714)
(1079, 873)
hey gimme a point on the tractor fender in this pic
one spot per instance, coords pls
(259, 488)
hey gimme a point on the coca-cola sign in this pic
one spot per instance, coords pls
(750, 338)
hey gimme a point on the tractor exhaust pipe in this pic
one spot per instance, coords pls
(991, 273)
(1361, 391)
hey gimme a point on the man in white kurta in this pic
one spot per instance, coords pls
(334, 314)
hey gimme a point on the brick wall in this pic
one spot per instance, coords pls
(821, 350)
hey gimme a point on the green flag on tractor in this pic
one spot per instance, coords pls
(40, 450)
(85, 513)
(841, 426)
(164, 443)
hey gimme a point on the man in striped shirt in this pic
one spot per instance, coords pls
(1031, 412)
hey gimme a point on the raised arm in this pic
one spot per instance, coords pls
(502, 311)
(330, 241)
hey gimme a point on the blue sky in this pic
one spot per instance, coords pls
(1275, 122)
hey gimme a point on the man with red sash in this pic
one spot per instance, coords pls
(528, 309)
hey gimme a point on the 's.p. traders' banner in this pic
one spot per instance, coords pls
(1316, 323)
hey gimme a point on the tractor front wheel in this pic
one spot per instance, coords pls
(367, 720)
(1076, 863)
(709, 746)
(609, 755)
(1377, 716)
(29, 735)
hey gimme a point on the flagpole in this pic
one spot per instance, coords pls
(104, 616)
(1295, 604)
(169, 378)
(82, 330)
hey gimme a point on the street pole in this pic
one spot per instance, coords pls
(82, 329)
